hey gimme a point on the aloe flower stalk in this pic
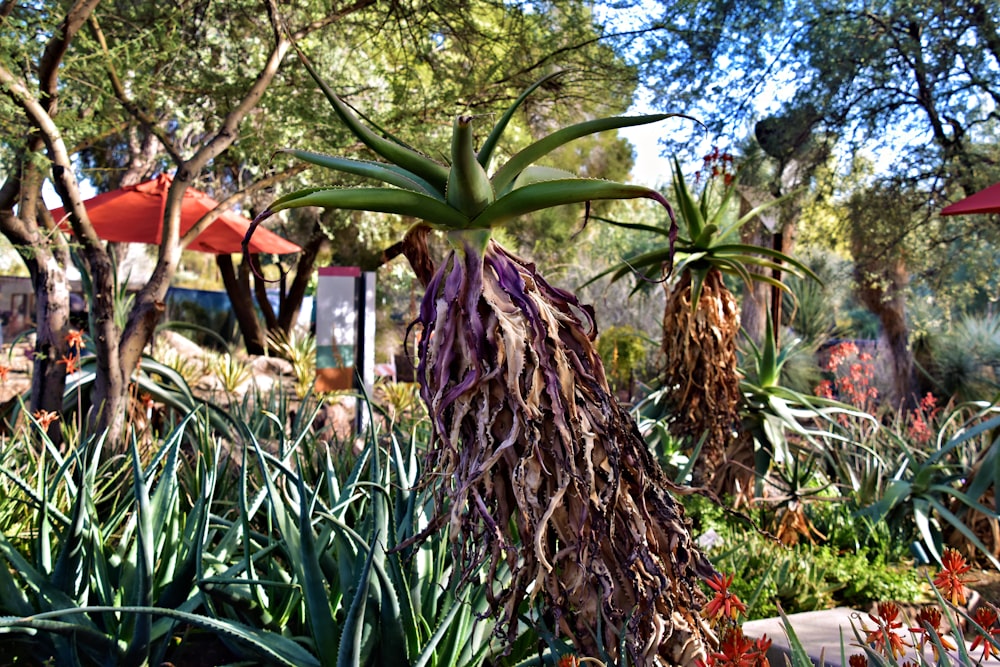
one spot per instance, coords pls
(538, 469)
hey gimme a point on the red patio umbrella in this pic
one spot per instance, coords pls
(134, 214)
(984, 201)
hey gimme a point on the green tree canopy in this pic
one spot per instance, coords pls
(114, 91)
(919, 77)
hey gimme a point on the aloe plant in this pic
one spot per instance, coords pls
(328, 557)
(782, 422)
(284, 564)
(100, 553)
(537, 468)
(701, 319)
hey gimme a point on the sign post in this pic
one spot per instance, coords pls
(345, 330)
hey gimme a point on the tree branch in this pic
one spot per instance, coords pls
(130, 106)
(582, 45)
(62, 172)
(330, 19)
(48, 66)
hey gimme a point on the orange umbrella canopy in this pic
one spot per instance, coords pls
(134, 214)
(984, 201)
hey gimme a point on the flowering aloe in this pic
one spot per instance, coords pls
(725, 604)
(929, 628)
(539, 470)
(951, 580)
(986, 618)
(884, 636)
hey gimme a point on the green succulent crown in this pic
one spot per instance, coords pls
(460, 196)
(706, 243)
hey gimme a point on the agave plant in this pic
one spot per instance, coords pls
(539, 471)
(701, 319)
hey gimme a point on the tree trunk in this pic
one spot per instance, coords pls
(108, 404)
(756, 295)
(242, 304)
(260, 292)
(303, 273)
(48, 380)
(882, 293)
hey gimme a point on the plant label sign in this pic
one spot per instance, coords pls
(345, 329)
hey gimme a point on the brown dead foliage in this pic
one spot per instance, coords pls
(544, 476)
(699, 351)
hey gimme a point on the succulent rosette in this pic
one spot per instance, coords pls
(539, 472)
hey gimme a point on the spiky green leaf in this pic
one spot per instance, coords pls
(505, 176)
(387, 173)
(379, 200)
(539, 196)
(395, 153)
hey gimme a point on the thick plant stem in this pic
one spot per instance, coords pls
(699, 352)
(541, 472)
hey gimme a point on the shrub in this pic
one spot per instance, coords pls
(625, 352)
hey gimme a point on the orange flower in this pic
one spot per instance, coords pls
(70, 360)
(949, 580)
(930, 617)
(568, 660)
(45, 418)
(759, 652)
(986, 617)
(4, 371)
(882, 637)
(735, 650)
(75, 339)
(724, 604)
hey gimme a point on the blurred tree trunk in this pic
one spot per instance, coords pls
(756, 295)
(46, 261)
(242, 295)
(882, 291)
(292, 303)
(238, 289)
(876, 216)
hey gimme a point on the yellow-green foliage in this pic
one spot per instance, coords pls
(625, 352)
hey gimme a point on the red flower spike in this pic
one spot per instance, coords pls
(858, 660)
(760, 649)
(724, 604)
(735, 650)
(986, 617)
(568, 660)
(882, 638)
(70, 361)
(45, 418)
(931, 616)
(949, 580)
(75, 339)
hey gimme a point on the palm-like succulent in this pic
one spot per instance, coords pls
(539, 471)
(701, 319)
